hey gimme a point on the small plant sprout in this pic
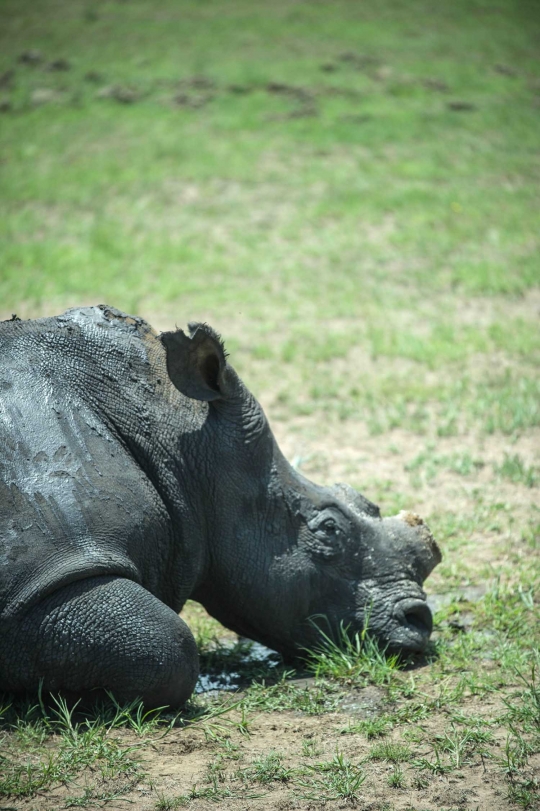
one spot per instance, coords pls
(310, 747)
(391, 751)
(396, 778)
(420, 781)
(266, 769)
(516, 470)
(527, 709)
(456, 743)
(371, 728)
(337, 779)
(436, 765)
(515, 754)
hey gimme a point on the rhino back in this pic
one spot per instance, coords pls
(76, 498)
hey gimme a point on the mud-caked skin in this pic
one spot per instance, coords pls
(137, 471)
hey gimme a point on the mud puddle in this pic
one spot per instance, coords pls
(248, 656)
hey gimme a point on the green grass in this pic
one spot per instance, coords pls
(390, 751)
(46, 745)
(396, 778)
(320, 697)
(80, 745)
(68, 742)
(337, 779)
(354, 658)
(267, 769)
(334, 218)
(152, 203)
(371, 728)
(428, 463)
(514, 468)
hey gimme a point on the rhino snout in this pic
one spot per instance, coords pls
(415, 624)
(407, 626)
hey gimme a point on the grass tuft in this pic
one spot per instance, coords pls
(336, 779)
(514, 468)
(390, 751)
(353, 658)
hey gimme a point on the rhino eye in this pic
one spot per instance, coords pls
(327, 526)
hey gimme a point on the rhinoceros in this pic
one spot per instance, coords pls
(137, 471)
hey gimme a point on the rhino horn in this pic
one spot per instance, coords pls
(426, 549)
(355, 500)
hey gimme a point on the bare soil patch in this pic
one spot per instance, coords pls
(180, 761)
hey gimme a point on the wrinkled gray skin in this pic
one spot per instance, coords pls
(136, 472)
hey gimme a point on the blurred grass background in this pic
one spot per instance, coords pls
(349, 192)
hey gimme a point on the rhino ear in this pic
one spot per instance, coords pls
(196, 363)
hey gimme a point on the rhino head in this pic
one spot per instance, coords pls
(281, 551)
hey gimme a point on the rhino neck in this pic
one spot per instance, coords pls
(253, 536)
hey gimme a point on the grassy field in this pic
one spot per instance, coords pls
(350, 194)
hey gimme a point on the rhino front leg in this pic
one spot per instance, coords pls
(103, 632)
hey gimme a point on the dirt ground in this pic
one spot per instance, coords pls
(181, 759)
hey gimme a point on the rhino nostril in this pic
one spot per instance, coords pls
(418, 616)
